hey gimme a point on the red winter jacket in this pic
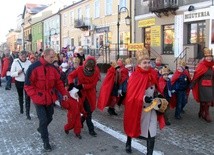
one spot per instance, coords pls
(41, 81)
(5, 66)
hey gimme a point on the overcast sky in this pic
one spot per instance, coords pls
(10, 9)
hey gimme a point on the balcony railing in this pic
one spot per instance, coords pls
(83, 23)
(163, 6)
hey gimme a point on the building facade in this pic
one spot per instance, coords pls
(51, 32)
(93, 23)
(37, 36)
(169, 27)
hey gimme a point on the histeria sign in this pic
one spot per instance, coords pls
(201, 14)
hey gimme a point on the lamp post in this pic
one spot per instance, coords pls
(50, 30)
(127, 20)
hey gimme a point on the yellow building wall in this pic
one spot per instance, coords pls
(110, 21)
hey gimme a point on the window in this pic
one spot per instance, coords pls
(147, 37)
(65, 19)
(196, 32)
(72, 41)
(108, 4)
(87, 11)
(97, 8)
(79, 13)
(122, 4)
(72, 18)
(168, 39)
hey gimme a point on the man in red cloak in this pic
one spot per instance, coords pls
(203, 86)
(140, 92)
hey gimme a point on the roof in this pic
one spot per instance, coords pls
(33, 8)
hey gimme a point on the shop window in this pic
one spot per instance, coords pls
(168, 39)
(147, 37)
(196, 33)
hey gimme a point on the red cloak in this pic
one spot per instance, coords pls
(137, 85)
(89, 83)
(202, 68)
(124, 74)
(106, 89)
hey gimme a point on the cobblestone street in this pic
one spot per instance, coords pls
(189, 136)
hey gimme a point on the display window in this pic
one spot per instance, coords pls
(196, 33)
(147, 37)
(168, 39)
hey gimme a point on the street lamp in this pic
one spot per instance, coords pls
(50, 30)
(128, 22)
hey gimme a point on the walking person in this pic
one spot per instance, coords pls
(203, 85)
(6, 66)
(41, 80)
(88, 75)
(140, 93)
(18, 70)
(180, 83)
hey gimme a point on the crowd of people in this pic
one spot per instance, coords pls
(146, 90)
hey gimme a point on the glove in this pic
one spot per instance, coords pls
(70, 87)
(172, 91)
(80, 87)
(148, 99)
(119, 92)
(160, 96)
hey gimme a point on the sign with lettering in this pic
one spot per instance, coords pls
(102, 29)
(155, 36)
(195, 15)
(146, 22)
(135, 47)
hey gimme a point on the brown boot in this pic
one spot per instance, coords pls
(207, 116)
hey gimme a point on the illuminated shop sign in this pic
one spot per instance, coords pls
(201, 14)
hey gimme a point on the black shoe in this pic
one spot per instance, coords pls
(79, 136)
(21, 111)
(178, 117)
(93, 133)
(66, 131)
(128, 148)
(28, 117)
(47, 147)
(7, 88)
(168, 123)
(140, 137)
(38, 130)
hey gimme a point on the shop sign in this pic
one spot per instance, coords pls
(155, 36)
(102, 29)
(201, 14)
(135, 46)
(146, 22)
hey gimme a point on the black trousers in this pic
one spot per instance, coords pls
(89, 122)
(45, 115)
(20, 91)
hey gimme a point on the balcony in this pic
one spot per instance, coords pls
(83, 24)
(164, 7)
